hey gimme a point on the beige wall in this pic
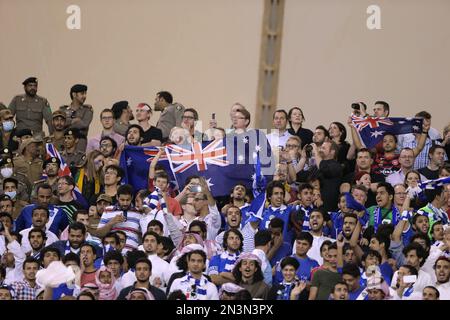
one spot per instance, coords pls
(206, 53)
(330, 58)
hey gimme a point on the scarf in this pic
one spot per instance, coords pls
(196, 287)
(228, 260)
(106, 291)
(68, 249)
(80, 180)
(408, 292)
(438, 214)
(285, 291)
(378, 218)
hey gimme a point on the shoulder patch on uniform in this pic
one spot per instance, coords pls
(88, 106)
(178, 107)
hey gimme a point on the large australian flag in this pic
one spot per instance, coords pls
(372, 129)
(135, 161)
(223, 163)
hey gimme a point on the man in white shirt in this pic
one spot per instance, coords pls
(194, 285)
(406, 160)
(39, 218)
(280, 135)
(442, 270)
(160, 268)
(316, 224)
(206, 208)
(415, 256)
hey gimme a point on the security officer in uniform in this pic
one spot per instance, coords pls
(171, 113)
(51, 169)
(28, 161)
(78, 114)
(59, 126)
(7, 171)
(71, 155)
(30, 109)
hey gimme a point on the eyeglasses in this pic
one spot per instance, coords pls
(107, 118)
(199, 199)
(289, 146)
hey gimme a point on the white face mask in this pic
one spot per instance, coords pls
(8, 125)
(11, 194)
(6, 172)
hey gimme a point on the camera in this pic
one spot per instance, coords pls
(308, 150)
(195, 188)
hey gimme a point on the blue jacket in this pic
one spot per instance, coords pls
(57, 216)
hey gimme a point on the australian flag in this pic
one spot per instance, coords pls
(135, 161)
(372, 129)
(223, 163)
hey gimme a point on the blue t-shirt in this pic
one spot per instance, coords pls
(353, 295)
(284, 251)
(282, 213)
(303, 272)
(59, 223)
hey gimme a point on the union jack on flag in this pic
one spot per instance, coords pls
(372, 129)
(361, 123)
(152, 152)
(52, 152)
(182, 159)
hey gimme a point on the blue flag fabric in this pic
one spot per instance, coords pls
(372, 129)
(135, 162)
(223, 163)
(433, 184)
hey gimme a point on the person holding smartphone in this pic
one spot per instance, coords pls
(407, 277)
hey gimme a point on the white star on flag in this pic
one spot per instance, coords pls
(254, 176)
(416, 128)
(129, 161)
(245, 140)
(209, 183)
(377, 133)
(257, 148)
(241, 158)
(401, 122)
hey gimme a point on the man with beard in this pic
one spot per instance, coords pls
(171, 113)
(316, 223)
(26, 289)
(130, 217)
(77, 235)
(107, 121)
(30, 109)
(59, 125)
(237, 199)
(160, 268)
(134, 135)
(58, 219)
(143, 271)
(122, 114)
(50, 173)
(442, 272)
(221, 265)
(78, 114)
(36, 239)
(40, 216)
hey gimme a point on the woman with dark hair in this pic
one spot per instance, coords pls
(248, 274)
(296, 119)
(338, 134)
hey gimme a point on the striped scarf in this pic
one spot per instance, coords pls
(197, 287)
(230, 260)
(68, 250)
(285, 291)
(153, 199)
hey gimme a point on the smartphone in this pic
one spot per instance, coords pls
(213, 116)
(195, 188)
(409, 279)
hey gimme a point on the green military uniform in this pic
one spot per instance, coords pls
(85, 113)
(57, 142)
(169, 118)
(30, 110)
(31, 169)
(23, 184)
(74, 159)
